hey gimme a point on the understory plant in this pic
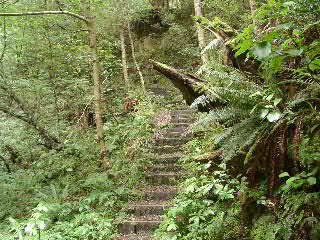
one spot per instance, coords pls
(264, 129)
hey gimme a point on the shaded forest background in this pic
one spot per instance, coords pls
(66, 173)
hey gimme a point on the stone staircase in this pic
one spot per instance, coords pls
(161, 178)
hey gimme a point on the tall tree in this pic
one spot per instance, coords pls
(90, 22)
(253, 7)
(134, 58)
(201, 33)
(124, 58)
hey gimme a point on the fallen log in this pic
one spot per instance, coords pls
(190, 86)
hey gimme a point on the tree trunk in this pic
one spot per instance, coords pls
(201, 33)
(134, 58)
(253, 7)
(50, 141)
(189, 85)
(97, 93)
(95, 75)
(124, 59)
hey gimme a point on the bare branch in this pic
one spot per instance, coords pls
(45, 13)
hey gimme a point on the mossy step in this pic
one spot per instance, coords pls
(164, 167)
(140, 225)
(180, 130)
(168, 178)
(159, 193)
(166, 149)
(168, 158)
(148, 208)
(179, 125)
(178, 134)
(135, 237)
(183, 111)
(171, 141)
(177, 120)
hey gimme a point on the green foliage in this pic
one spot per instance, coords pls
(249, 115)
(204, 210)
(285, 38)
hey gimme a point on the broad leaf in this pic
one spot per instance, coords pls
(274, 116)
(284, 174)
(312, 181)
(295, 52)
(262, 50)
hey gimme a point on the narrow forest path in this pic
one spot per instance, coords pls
(161, 179)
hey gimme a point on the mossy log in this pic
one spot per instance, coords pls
(214, 157)
(190, 86)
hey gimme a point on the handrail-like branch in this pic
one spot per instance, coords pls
(45, 13)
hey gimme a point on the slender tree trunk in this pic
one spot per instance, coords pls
(95, 74)
(134, 58)
(97, 93)
(124, 59)
(253, 7)
(50, 141)
(201, 33)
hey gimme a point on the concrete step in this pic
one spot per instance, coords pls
(159, 193)
(164, 178)
(183, 111)
(140, 225)
(166, 149)
(165, 141)
(166, 167)
(178, 134)
(179, 125)
(177, 120)
(176, 130)
(135, 237)
(181, 115)
(168, 158)
(148, 208)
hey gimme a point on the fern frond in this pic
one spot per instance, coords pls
(227, 116)
(237, 97)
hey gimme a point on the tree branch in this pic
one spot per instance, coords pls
(45, 13)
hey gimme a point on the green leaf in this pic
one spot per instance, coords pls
(172, 226)
(312, 181)
(284, 174)
(191, 188)
(314, 128)
(289, 3)
(276, 101)
(244, 46)
(262, 50)
(295, 52)
(264, 113)
(276, 63)
(315, 65)
(274, 116)
(269, 97)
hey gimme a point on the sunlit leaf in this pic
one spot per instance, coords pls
(274, 116)
(262, 50)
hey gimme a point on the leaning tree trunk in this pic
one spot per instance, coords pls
(189, 85)
(97, 93)
(201, 33)
(124, 59)
(135, 59)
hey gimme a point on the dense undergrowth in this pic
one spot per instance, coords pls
(67, 195)
(255, 157)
